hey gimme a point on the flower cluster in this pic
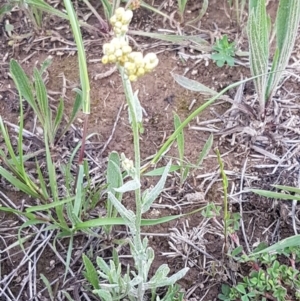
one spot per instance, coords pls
(137, 65)
(120, 20)
(118, 49)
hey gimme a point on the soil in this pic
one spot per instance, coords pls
(179, 243)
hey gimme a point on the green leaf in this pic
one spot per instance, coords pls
(42, 99)
(129, 186)
(48, 206)
(59, 116)
(18, 184)
(241, 289)
(205, 150)
(225, 289)
(150, 196)
(22, 81)
(126, 214)
(193, 85)
(288, 188)
(104, 295)
(293, 241)
(48, 286)
(237, 251)
(276, 195)
(159, 171)
(178, 39)
(6, 8)
(91, 274)
(180, 138)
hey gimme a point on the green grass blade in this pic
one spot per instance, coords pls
(42, 5)
(100, 222)
(206, 149)
(30, 216)
(108, 9)
(15, 162)
(180, 139)
(42, 101)
(172, 38)
(17, 183)
(84, 78)
(293, 241)
(193, 85)
(42, 182)
(287, 22)
(48, 206)
(288, 188)
(59, 116)
(69, 255)
(276, 195)
(23, 84)
(48, 286)
(159, 171)
(79, 193)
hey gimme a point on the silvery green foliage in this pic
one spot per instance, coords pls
(259, 25)
(150, 195)
(114, 285)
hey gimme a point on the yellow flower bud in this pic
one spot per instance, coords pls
(123, 42)
(151, 61)
(123, 59)
(117, 31)
(132, 78)
(137, 58)
(119, 12)
(113, 20)
(118, 53)
(127, 164)
(124, 29)
(116, 43)
(140, 72)
(108, 48)
(129, 67)
(104, 59)
(118, 25)
(126, 49)
(112, 58)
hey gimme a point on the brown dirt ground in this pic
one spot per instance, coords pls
(160, 96)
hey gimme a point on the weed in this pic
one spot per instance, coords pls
(225, 52)
(268, 280)
(259, 29)
(113, 284)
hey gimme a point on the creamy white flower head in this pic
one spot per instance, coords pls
(127, 164)
(151, 61)
(113, 20)
(119, 12)
(127, 16)
(108, 48)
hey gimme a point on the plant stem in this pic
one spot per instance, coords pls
(137, 241)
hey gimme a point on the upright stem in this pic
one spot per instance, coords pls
(136, 141)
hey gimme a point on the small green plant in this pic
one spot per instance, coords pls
(111, 282)
(259, 33)
(225, 52)
(268, 279)
(181, 7)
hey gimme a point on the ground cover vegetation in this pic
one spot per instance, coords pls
(98, 219)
